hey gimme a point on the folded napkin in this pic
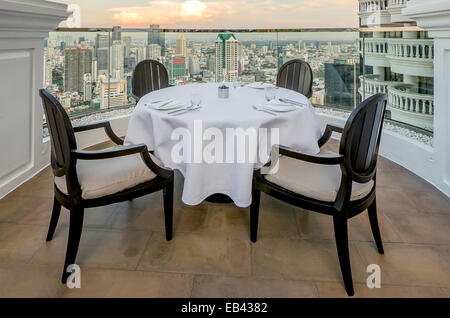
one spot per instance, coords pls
(278, 106)
(260, 85)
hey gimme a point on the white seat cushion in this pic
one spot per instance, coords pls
(320, 182)
(99, 178)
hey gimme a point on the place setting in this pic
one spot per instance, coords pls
(274, 105)
(174, 107)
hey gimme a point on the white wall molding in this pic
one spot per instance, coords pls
(23, 26)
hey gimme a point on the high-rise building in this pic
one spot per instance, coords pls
(116, 34)
(113, 93)
(177, 68)
(227, 57)
(181, 46)
(194, 65)
(117, 59)
(87, 87)
(78, 61)
(102, 52)
(341, 82)
(156, 36)
(402, 62)
(154, 52)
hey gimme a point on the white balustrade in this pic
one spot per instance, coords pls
(372, 5)
(397, 3)
(402, 99)
(422, 49)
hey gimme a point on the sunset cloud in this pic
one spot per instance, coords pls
(220, 13)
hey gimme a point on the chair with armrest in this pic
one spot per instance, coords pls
(86, 179)
(148, 76)
(340, 185)
(296, 75)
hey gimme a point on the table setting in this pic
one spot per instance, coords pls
(199, 109)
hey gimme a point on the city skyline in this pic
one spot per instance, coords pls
(218, 13)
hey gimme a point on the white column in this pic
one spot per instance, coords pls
(23, 26)
(434, 17)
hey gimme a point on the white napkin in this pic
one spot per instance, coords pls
(278, 106)
(260, 85)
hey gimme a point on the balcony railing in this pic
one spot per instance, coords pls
(372, 5)
(405, 97)
(371, 85)
(417, 49)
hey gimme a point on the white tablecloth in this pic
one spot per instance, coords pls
(298, 130)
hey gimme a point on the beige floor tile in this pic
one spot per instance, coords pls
(415, 265)
(227, 219)
(27, 281)
(98, 248)
(320, 226)
(422, 229)
(99, 283)
(335, 290)
(276, 217)
(18, 243)
(147, 213)
(292, 258)
(446, 291)
(396, 200)
(246, 287)
(431, 201)
(201, 253)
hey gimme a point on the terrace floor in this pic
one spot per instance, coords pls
(123, 252)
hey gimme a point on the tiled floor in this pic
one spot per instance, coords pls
(123, 252)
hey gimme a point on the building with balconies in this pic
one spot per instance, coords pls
(401, 56)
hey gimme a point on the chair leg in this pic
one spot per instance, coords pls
(168, 210)
(254, 215)
(341, 234)
(75, 229)
(54, 219)
(375, 228)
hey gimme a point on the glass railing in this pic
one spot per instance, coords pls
(89, 70)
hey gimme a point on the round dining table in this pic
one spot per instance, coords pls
(162, 132)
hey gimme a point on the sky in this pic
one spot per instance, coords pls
(218, 13)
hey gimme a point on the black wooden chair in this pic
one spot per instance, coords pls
(86, 179)
(340, 185)
(148, 76)
(296, 75)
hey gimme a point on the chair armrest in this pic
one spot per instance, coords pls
(328, 132)
(123, 152)
(323, 160)
(102, 124)
(135, 97)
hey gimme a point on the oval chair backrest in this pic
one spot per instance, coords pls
(61, 133)
(296, 75)
(361, 138)
(149, 76)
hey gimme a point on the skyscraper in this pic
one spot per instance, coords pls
(117, 59)
(227, 57)
(181, 47)
(154, 52)
(102, 53)
(78, 61)
(116, 34)
(177, 68)
(155, 36)
(194, 65)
